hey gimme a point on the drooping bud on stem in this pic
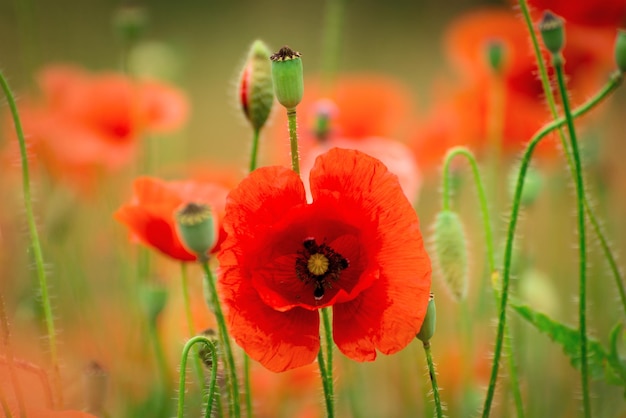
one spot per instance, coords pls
(620, 50)
(450, 254)
(430, 321)
(256, 93)
(196, 229)
(552, 32)
(288, 77)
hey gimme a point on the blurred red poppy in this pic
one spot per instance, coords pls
(465, 108)
(357, 247)
(150, 213)
(591, 13)
(85, 124)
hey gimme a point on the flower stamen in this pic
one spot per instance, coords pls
(318, 263)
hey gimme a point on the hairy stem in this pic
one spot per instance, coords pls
(183, 370)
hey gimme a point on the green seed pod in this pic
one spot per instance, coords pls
(552, 30)
(153, 299)
(620, 50)
(430, 321)
(256, 92)
(288, 77)
(196, 229)
(450, 255)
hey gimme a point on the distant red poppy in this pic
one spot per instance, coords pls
(591, 13)
(150, 213)
(463, 108)
(357, 247)
(85, 124)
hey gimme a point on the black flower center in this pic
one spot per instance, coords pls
(318, 265)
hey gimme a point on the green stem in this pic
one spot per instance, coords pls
(159, 354)
(293, 140)
(192, 332)
(582, 242)
(333, 22)
(433, 379)
(255, 149)
(35, 243)
(183, 371)
(482, 197)
(330, 412)
(329, 390)
(247, 384)
(545, 81)
(611, 86)
(224, 337)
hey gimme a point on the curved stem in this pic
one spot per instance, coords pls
(189, 316)
(35, 243)
(611, 86)
(482, 197)
(545, 81)
(582, 243)
(225, 338)
(183, 371)
(433, 379)
(255, 149)
(293, 140)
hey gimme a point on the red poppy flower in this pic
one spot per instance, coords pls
(85, 124)
(464, 108)
(591, 13)
(150, 213)
(356, 247)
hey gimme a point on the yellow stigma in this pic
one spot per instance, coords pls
(317, 264)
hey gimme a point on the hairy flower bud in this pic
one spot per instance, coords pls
(450, 255)
(430, 321)
(256, 93)
(196, 229)
(288, 77)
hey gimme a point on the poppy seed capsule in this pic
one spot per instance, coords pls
(620, 50)
(256, 92)
(430, 321)
(451, 252)
(196, 229)
(288, 78)
(153, 299)
(552, 32)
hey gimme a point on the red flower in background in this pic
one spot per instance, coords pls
(85, 124)
(150, 213)
(365, 112)
(610, 13)
(463, 108)
(357, 247)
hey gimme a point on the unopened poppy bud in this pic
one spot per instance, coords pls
(204, 352)
(552, 32)
(256, 93)
(495, 55)
(153, 299)
(196, 229)
(450, 254)
(130, 21)
(533, 182)
(620, 50)
(288, 77)
(430, 321)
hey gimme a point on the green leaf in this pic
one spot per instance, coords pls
(602, 364)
